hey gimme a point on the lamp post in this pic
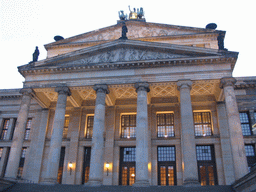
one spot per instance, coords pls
(70, 165)
(107, 166)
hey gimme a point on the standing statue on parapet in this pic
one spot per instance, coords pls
(36, 54)
(124, 31)
(122, 16)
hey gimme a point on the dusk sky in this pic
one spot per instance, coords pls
(25, 24)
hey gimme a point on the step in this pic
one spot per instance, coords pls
(26, 187)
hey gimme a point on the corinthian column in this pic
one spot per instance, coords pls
(189, 161)
(235, 130)
(18, 136)
(56, 138)
(142, 143)
(97, 151)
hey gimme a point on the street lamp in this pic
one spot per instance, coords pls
(107, 166)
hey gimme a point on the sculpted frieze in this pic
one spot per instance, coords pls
(125, 54)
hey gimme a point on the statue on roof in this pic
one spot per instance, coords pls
(140, 13)
(133, 14)
(36, 54)
(122, 16)
(124, 31)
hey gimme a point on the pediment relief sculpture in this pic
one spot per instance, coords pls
(125, 54)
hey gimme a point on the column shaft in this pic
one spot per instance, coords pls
(189, 161)
(235, 130)
(142, 135)
(18, 137)
(97, 151)
(56, 138)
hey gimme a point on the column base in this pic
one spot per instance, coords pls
(141, 183)
(191, 183)
(49, 181)
(93, 183)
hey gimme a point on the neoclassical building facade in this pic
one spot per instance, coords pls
(158, 108)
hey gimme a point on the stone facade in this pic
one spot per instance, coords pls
(160, 108)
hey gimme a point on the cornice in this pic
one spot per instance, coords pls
(128, 65)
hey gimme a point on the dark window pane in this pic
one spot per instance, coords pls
(245, 123)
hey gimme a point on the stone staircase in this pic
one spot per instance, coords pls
(28, 187)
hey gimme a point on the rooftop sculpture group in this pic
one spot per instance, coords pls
(133, 15)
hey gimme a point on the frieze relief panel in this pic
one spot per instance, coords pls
(125, 54)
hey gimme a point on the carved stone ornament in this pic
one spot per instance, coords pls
(27, 91)
(63, 90)
(126, 54)
(142, 86)
(227, 81)
(184, 84)
(101, 88)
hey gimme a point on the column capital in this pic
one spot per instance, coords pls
(184, 83)
(227, 81)
(144, 86)
(63, 90)
(101, 88)
(27, 91)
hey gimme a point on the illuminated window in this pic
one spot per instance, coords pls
(166, 166)
(203, 124)
(65, 129)
(86, 164)
(245, 123)
(89, 128)
(127, 166)
(1, 152)
(165, 125)
(5, 129)
(206, 165)
(128, 125)
(28, 129)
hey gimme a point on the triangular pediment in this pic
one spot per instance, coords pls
(126, 51)
(136, 30)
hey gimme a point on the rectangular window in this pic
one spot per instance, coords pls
(28, 129)
(245, 123)
(22, 162)
(86, 164)
(127, 165)
(250, 154)
(166, 161)
(203, 124)
(128, 125)
(65, 129)
(5, 129)
(89, 128)
(206, 165)
(61, 165)
(165, 125)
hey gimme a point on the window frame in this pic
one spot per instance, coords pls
(122, 133)
(28, 129)
(65, 127)
(207, 163)
(249, 123)
(5, 128)
(172, 129)
(89, 129)
(210, 125)
(166, 164)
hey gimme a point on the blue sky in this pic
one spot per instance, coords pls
(25, 24)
